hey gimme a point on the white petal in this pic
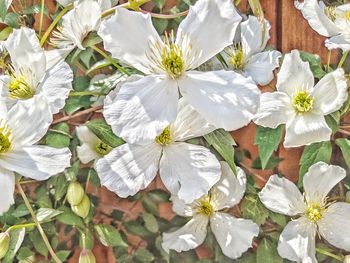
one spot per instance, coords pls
(306, 129)
(7, 190)
(294, 74)
(189, 123)
(252, 36)
(86, 136)
(234, 235)
(128, 169)
(316, 17)
(225, 98)
(230, 189)
(64, 3)
(330, 92)
(8, 3)
(3, 98)
(128, 35)
(261, 66)
(320, 179)
(105, 4)
(275, 109)
(282, 196)
(56, 55)
(341, 41)
(187, 237)
(297, 241)
(180, 207)
(86, 153)
(334, 226)
(188, 170)
(29, 120)
(38, 162)
(26, 53)
(56, 86)
(135, 116)
(208, 28)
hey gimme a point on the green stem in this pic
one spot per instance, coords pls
(343, 58)
(324, 252)
(85, 93)
(165, 16)
(329, 59)
(20, 226)
(61, 132)
(101, 52)
(41, 16)
(54, 23)
(28, 181)
(41, 231)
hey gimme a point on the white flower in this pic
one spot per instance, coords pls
(328, 21)
(186, 169)
(234, 235)
(91, 148)
(29, 75)
(144, 108)
(20, 129)
(247, 56)
(8, 3)
(301, 105)
(330, 220)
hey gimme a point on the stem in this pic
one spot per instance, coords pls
(28, 181)
(20, 226)
(344, 132)
(54, 23)
(343, 58)
(41, 16)
(324, 252)
(164, 16)
(61, 132)
(85, 93)
(101, 52)
(329, 59)
(41, 231)
(80, 113)
(112, 10)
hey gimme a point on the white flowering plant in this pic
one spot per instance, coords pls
(174, 131)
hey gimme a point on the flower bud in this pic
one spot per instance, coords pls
(4, 244)
(83, 208)
(75, 193)
(86, 256)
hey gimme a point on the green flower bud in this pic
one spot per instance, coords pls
(4, 243)
(83, 208)
(86, 256)
(75, 193)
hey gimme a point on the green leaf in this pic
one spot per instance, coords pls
(160, 25)
(69, 218)
(35, 9)
(222, 142)
(316, 152)
(278, 218)
(344, 145)
(267, 140)
(76, 103)
(5, 32)
(24, 253)
(333, 121)
(81, 83)
(16, 240)
(253, 209)
(21, 211)
(38, 243)
(267, 252)
(45, 214)
(314, 62)
(43, 198)
(143, 255)
(92, 39)
(3, 9)
(109, 236)
(150, 205)
(63, 254)
(151, 223)
(58, 136)
(104, 132)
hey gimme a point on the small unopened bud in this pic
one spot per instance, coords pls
(75, 193)
(4, 243)
(347, 197)
(346, 259)
(83, 208)
(86, 256)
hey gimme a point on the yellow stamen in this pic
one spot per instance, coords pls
(165, 137)
(19, 88)
(302, 102)
(5, 137)
(330, 12)
(205, 207)
(237, 57)
(102, 148)
(314, 212)
(172, 57)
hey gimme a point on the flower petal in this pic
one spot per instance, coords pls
(225, 98)
(297, 241)
(135, 116)
(275, 109)
(180, 207)
(230, 189)
(86, 136)
(188, 170)
(7, 190)
(128, 35)
(261, 66)
(282, 196)
(234, 235)
(187, 237)
(86, 153)
(320, 179)
(209, 27)
(189, 123)
(334, 226)
(129, 168)
(341, 41)
(294, 74)
(306, 129)
(38, 162)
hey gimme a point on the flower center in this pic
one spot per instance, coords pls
(165, 137)
(19, 88)
(237, 58)
(302, 102)
(314, 212)
(330, 12)
(205, 207)
(102, 148)
(5, 137)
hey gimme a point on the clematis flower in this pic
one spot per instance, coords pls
(234, 235)
(247, 55)
(29, 75)
(300, 104)
(328, 21)
(312, 212)
(21, 128)
(186, 169)
(146, 107)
